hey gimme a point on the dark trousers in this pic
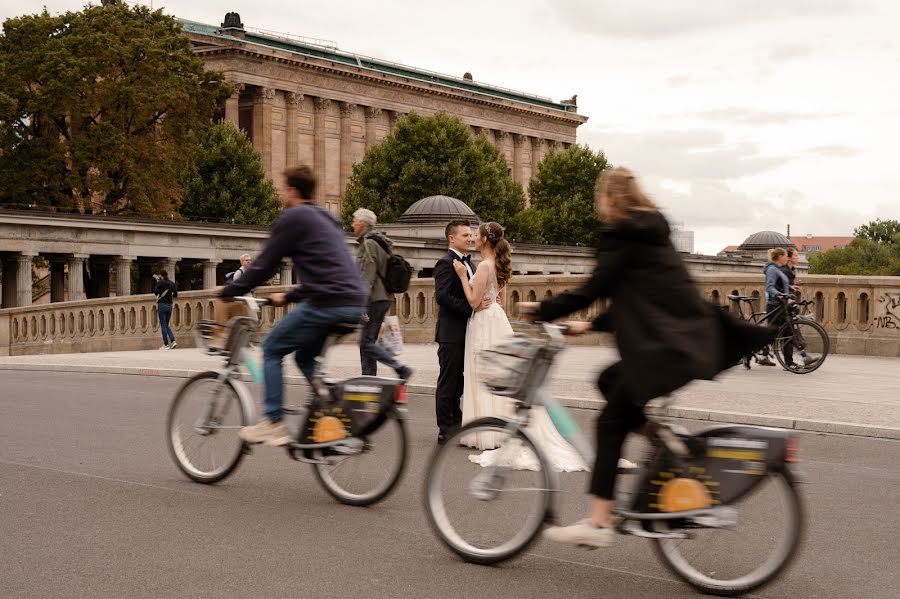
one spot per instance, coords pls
(451, 359)
(164, 311)
(620, 417)
(777, 321)
(370, 353)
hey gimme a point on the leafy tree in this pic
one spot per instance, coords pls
(96, 109)
(562, 197)
(225, 181)
(882, 231)
(862, 257)
(434, 155)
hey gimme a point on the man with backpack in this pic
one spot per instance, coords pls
(387, 274)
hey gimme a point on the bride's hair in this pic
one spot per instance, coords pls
(493, 232)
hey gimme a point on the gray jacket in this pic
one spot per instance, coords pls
(372, 260)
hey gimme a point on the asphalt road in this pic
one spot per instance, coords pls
(92, 506)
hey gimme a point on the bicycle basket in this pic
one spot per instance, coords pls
(504, 368)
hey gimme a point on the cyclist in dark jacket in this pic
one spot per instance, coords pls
(666, 332)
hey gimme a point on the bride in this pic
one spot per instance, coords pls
(489, 327)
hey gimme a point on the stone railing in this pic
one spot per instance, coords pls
(862, 314)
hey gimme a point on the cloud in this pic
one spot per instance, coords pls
(752, 116)
(834, 151)
(790, 52)
(651, 19)
(682, 155)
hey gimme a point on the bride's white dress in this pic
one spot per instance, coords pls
(487, 328)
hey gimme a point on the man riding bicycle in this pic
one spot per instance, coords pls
(332, 292)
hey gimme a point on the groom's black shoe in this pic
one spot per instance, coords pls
(442, 438)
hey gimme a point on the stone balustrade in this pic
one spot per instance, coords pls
(862, 314)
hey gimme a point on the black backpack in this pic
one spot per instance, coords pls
(397, 272)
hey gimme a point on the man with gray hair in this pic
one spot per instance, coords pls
(372, 257)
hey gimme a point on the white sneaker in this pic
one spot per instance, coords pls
(266, 432)
(583, 533)
(165, 347)
(173, 345)
(626, 464)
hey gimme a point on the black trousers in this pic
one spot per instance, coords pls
(451, 359)
(776, 321)
(370, 353)
(620, 417)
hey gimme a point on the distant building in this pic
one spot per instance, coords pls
(811, 244)
(806, 244)
(683, 240)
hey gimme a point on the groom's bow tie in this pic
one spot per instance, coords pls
(467, 258)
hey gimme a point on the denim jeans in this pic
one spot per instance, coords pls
(302, 331)
(164, 311)
(370, 353)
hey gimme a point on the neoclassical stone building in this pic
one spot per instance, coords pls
(304, 101)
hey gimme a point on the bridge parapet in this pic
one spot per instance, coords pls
(861, 314)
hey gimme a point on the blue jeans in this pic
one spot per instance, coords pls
(370, 353)
(164, 311)
(302, 331)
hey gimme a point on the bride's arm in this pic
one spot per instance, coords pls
(474, 291)
(501, 297)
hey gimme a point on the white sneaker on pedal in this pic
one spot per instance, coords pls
(266, 432)
(583, 533)
(626, 464)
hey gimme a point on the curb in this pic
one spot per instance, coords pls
(799, 424)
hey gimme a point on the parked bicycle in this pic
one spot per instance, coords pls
(800, 333)
(353, 431)
(721, 505)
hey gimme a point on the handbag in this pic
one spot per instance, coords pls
(390, 337)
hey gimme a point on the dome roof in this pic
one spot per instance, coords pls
(764, 240)
(437, 209)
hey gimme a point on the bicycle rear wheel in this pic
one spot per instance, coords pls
(810, 345)
(369, 476)
(488, 514)
(203, 425)
(737, 559)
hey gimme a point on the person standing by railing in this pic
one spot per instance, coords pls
(165, 291)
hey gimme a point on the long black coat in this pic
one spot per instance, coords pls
(666, 332)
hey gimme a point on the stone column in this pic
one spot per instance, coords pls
(371, 121)
(57, 280)
(393, 117)
(23, 279)
(262, 126)
(292, 139)
(123, 275)
(169, 265)
(518, 142)
(232, 105)
(500, 138)
(75, 262)
(209, 273)
(552, 145)
(347, 110)
(286, 276)
(321, 105)
(536, 154)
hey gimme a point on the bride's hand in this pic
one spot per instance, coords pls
(575, 328)
(460, 269)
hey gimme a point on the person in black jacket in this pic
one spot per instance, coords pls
(165, 291)
(667, 334)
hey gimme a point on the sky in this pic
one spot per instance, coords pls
(737, 116)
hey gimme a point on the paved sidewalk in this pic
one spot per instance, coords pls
(854, 395)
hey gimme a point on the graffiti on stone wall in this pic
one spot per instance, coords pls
(887, 313)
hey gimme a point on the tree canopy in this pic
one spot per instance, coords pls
(882, 231)
(225, 181)
(96, 109)
(562, 199)
(434, 155)
(862, 257)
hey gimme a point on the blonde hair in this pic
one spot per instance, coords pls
(621, 187)
(776, 253)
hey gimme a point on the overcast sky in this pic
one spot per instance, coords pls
(738, 115)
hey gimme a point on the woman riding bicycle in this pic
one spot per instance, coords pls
(666, 333)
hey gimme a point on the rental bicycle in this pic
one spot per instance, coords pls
(721, 506)
(798, 334)
(353, 432)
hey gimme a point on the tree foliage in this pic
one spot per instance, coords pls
(428, 156)
(862, 257)
(225, 181)
(882, 231)
(562, 199)
(97, 107)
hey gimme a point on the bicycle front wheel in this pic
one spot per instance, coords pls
(367, 477)
(807, 343)
(736, 559)
(488, 514)
(203, 425)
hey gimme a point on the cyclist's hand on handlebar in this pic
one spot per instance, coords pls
(529, 310)
(278, 299)
(576, 327)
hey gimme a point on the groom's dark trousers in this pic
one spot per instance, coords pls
(450, 334)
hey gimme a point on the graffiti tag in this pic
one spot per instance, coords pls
(888, 316)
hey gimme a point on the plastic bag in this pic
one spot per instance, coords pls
(390, 337)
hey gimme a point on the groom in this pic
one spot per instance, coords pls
(450, 332)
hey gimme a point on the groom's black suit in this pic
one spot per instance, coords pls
(450, 333)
